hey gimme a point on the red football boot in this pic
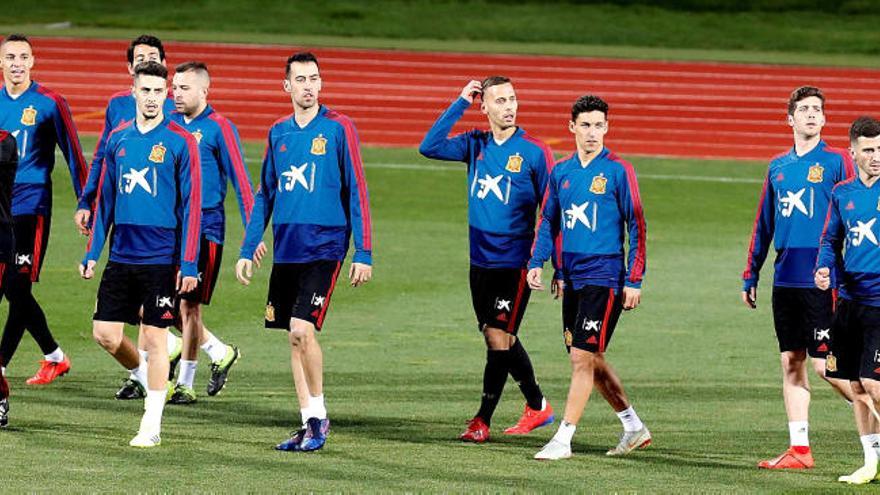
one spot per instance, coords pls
(49, 371)
(477, 431)
(531, 419)
(790, 459)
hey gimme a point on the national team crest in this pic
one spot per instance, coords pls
(568, 338)
(270, 313)
(319, 145)
(198, 136)
(29, 116)
(830, 363)
(598, 185)
(514, 163)
(815, 174)
(157, 154)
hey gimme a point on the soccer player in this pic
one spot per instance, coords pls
(507, 176)
(796, 192)
(855, 336)
(120, 109)
(221, 156)
(8, 165)
(40, 120)
(150, 194)
(592, 202)
(313, 188)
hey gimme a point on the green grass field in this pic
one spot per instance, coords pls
(403, 367)
(631, 29)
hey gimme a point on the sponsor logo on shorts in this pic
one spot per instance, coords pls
(270, 312)
(821, 334)
(163, 302)
(592, 340)
(830, 363)
(502, 304)
(22, 259)
(318, 300)
(167, 316)
(877, 356)
(592, 325)
(823, 347)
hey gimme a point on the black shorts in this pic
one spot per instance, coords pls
(126, 288)
(210, 257)
(31, 241)
(589, 316)
(500, 297)
(803, 318)
(301, 291)
(855, 348)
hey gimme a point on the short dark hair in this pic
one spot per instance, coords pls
(145, 39)
(192, 65)
(493, 81)
(151, 68)
(802, 93)
(16, 37)
(864, 126)
(301, 57)
(588, 103)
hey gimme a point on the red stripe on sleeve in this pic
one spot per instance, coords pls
(747, 273)
(97, 204)
(64, 110)
(195, 193)
(355, 154)
(637, 270)
(247, 195)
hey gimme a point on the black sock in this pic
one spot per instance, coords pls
(494, 377)
(522, 372)
(38, 327)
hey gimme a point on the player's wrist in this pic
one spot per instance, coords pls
(633, 285)
(363, 257)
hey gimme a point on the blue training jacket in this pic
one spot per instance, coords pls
(39, 119)
(506, 184)
(793, 203)
(313, 188)
(149, 192)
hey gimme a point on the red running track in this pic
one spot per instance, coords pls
(679, 109)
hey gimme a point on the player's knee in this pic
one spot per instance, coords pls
(189, 309)
(793, 362)
(584, 361)
(497, 339)
(300, 334)
(106, 338)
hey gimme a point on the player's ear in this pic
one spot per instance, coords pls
(286, 85)
(571, 126)
(790, 120)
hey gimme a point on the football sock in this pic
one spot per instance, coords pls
(630, 420)
(154, 404)
(187, 373)
(316, 406)
(55, 356)
(215, 349)
(871, 445)
(524, 374)
(565, 433)
(140, 373)
(799, 433)
(305, 414)
(494, 377)
(172, 343)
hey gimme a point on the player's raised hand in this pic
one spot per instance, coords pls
(81, 220)
(87, 270)
(750, 297)
(244, 271)
(632, 297)
(823, 278)
(359, 274)
(534, 279)
(472, 89)
(557, 288)
(259, 253)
